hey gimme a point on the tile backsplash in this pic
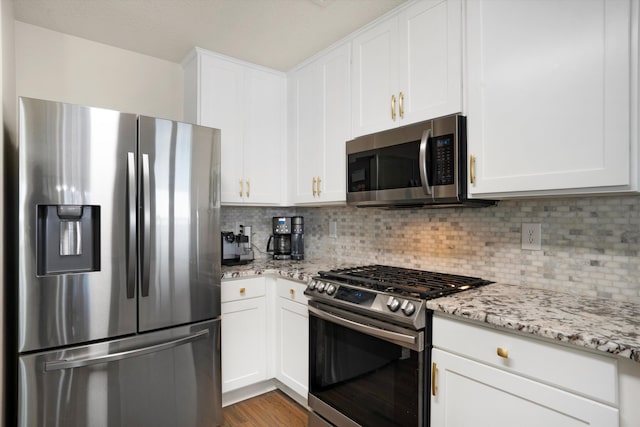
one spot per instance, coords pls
(590, 245)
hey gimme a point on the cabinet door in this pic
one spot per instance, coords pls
(221, 99)
(336, 77)
(322, 124)
(548, 95)
(430, 60)
(244, 343)
(293, 345)
(375, 78)
(307, 131)
(264, 136)
(470, 393)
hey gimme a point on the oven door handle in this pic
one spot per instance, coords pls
(366, 329)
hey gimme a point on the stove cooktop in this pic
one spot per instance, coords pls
(403, 281)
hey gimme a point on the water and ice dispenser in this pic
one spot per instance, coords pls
(68, 239)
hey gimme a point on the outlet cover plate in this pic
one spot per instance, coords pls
(333, 228)
(531, 236)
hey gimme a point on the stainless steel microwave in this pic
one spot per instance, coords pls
(423, 164)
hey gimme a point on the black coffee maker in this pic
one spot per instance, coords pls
(287, 237)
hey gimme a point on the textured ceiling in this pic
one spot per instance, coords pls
(274, 33)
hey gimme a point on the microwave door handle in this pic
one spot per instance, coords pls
(424, 173)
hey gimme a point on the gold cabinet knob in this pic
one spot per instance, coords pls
(242, 291)
(400, 107)
(503, 352)
(319, 188)
(292, 292)
(241, 188)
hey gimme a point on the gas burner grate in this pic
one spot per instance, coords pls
(404, 281)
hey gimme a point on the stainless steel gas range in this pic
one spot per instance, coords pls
(370, 344)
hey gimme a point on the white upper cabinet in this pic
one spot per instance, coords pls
(408, 67)
(248, 104)
(320, 124)
(551, 96)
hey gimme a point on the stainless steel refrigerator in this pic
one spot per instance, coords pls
(118, 319)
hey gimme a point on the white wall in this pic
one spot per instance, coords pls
(7, 137)
(59, 67)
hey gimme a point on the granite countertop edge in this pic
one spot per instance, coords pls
(594, 323)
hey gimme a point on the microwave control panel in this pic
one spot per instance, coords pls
(444, 156)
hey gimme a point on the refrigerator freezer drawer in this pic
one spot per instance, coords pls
(164, 378)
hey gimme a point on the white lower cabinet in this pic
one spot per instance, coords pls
(265, 337)
(483, 377)
(292, 337)
(244, 333)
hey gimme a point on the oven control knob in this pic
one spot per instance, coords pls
(393, 304)
(330, 289)
(312, 285)
(320, 287)
(408, 308)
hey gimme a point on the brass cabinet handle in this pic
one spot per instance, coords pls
(292, 292)
(472, 168)
(503, 352)
(393, 108)
(241, 188)
(434, 379)
(313, 186)
(400, 108)
(248, 188)
(319, 188)
(242, 291)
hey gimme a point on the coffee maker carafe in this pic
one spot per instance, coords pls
(287, 237)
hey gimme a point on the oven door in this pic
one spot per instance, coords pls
(365, 372)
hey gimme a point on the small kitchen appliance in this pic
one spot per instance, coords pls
(237, 248)
(287, 238)
(370, 344)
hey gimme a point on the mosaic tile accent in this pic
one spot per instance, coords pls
(590, 245)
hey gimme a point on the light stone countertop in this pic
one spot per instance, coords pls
(594, 323)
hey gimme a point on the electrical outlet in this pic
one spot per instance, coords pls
(531, 236)
(333, 228)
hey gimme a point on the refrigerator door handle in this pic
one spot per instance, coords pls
(79, 363)
(131, 225)
(146, 226)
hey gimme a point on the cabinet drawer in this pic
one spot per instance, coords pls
(572, 369)
(233, 290)
(292, 290)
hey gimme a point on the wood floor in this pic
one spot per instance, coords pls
(267, 410)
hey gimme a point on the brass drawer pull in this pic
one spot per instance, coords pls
(242, 291)
(472, 169)
(393, 108)
(503, 352)
(434, 379)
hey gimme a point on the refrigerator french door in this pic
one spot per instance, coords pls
(118, 269)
